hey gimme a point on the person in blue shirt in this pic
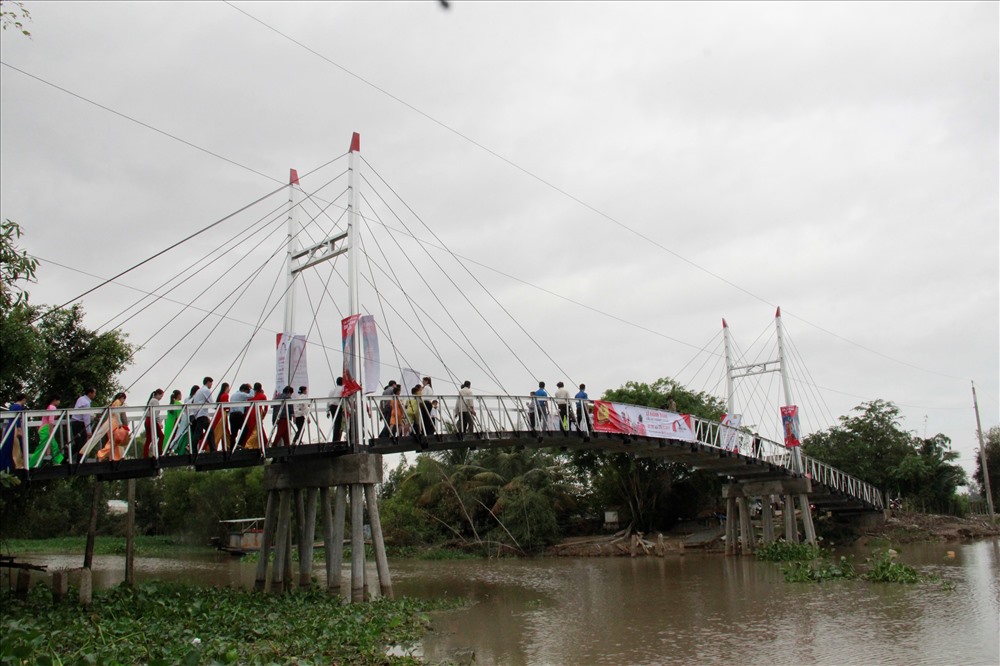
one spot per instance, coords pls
(581, 407)
(11, 455)
(542, 405)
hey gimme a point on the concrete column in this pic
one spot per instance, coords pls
(60, 585)
(270, 519)
(791, 528)
(88, 554)
(746, 527)
(357, 544)
(86, 587)
(288, 560)
(767, 519)
(381, 561)
(308, 537)
(339, 526)
(130, 536)
(300, 517)
(731, 538)
(807, 521)
(281, 541)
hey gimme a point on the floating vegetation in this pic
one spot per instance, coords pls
(161, 623)
(818, 571)
(881, 567)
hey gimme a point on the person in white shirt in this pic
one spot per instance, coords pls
(562, 402)
(335, 410)
(465, 407)
(435, 415)
(301, 410)
(80, 423)
(201, 418)
(237, 415)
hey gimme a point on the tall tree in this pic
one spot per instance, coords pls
(992, 446)
(870, 445)
(57, 356)
(873, 446)
(16, 266)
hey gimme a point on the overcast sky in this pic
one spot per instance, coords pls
(616, 179)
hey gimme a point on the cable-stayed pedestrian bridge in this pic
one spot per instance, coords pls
(130, 442)
(439, 315)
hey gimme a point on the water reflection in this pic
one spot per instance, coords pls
(715, 609)
(701, 609)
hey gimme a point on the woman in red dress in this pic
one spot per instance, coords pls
(253, 434)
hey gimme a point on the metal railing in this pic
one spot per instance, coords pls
(189, 429)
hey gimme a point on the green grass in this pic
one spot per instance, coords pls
(103, 545)
(162, 623)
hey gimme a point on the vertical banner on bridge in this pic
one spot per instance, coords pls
(369, 338)
(730, 436)
(790, 425)
(348, 330)
(615, 417)
(290, 367)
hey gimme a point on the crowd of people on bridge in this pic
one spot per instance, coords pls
(567, 417)
(200, 423)
(104, 434)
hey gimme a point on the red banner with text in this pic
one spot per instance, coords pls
(613, 417)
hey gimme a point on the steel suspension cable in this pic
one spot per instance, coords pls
(420, 322)
(416, 306)
(476, 279)
(193, 273)
(460, 329)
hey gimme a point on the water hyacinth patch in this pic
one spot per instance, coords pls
(162, 623)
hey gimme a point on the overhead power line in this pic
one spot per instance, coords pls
(139, 122)
(573, 197)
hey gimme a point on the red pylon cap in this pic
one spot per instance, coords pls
(293, 177)
(356, 143)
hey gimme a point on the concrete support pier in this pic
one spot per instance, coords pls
(328, 483)
(740, 537)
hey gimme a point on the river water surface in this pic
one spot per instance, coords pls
(705, 609)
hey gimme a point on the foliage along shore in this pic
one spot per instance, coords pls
(161, 623)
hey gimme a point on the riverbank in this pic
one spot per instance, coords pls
(169, 623)
(150, 546)
(901, 528)
(910, 527)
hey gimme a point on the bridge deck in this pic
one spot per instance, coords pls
(501, 421)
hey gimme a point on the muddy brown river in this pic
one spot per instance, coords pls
(692, 609)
